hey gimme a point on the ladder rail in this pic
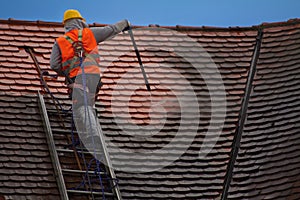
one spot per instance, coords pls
(53, 153)
(109, 166)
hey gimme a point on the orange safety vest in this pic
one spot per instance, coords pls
(74, 42)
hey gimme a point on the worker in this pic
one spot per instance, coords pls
(75, 55)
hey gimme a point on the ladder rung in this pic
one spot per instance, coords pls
(62, 131)
(79, 171)
(78, 151)
(69, 151)
(89, 192)
(56, 111)
(65, 116)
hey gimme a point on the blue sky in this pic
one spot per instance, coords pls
(220, 13)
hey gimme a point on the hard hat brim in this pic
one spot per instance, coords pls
(74, 18)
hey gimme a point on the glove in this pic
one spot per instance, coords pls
(127, 27)
(122, 25)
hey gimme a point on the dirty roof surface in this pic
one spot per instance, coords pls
(175, 141)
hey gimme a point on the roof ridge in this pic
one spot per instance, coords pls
(254, 27)
(29, 22)
(177, 27)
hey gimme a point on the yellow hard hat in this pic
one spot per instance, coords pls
(72, 14)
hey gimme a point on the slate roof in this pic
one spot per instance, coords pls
(268, 162)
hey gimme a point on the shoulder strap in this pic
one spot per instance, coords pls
(77, 45)
(79, 37)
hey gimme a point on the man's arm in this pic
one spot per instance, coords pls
(55, 59)
(104, 33)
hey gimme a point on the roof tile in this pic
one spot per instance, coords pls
(31, 28)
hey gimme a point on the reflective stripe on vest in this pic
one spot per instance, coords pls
(70, 60)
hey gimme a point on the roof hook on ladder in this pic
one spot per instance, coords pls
(41, 73)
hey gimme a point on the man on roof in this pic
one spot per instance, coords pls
(75, 55)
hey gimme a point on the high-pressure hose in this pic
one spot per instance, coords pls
(138, 57)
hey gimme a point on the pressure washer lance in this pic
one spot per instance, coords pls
(129, 29)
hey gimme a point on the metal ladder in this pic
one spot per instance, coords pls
(75, 168)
